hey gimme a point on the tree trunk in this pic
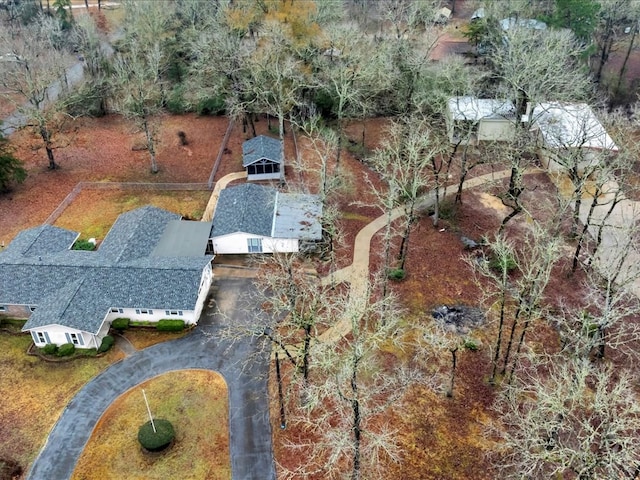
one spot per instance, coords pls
(46, 138)
(357, 420)
(598, 240)
(463, 175)
(150, 146)
(305, 353)
(496, 355)
(585, 227)
(86, 4)
(404, 244)
(507, 352)
(99, 4)
(454, 361)
(515, 356)
(623, 68)
(606, 48)
(576, 212)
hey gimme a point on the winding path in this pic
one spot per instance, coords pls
(357, 274)
(244, 370)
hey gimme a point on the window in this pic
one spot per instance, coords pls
(117, 310)
(32, 308)
(173, 312)
(254, 245)
(41, 337)
(2, 308)
(74, 338)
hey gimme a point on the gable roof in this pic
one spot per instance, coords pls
(244, 208)
(261, 147)
(42, 239)
(571, 125)
(77, 288)
(261, 210)
(473, 109)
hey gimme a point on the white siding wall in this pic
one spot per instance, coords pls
(205, 285)
(495, 130)
(58, 334)
(157, 314)
(236, 243)
(548, 159)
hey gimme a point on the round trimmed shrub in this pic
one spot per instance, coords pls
(66, 349)
(107, 343)
(158, 440)
(50, 349)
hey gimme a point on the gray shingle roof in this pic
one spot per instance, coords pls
(245, 208)
(41, 240)
(260, 210)
(261, 147)
(77, 288)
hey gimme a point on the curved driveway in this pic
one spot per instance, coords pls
(244, 370)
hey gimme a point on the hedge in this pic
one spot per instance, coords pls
(120, 323)
(50, 349)
(158, 440)
(107, 343)
(170, 325)
(66, 349)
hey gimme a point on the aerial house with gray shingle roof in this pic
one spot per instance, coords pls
(263, 158)
(151, 265)
(252, 218)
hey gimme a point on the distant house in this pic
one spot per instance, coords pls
(252, 218)
(263, 158)
(471, 120)
(569, 129)
(151, 265)
(524, 23)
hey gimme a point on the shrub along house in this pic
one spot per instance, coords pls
(252, 218)
(263, 158)
(151, 265)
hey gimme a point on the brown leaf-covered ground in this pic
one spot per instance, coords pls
(439, 437)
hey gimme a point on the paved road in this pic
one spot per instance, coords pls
(244, 372)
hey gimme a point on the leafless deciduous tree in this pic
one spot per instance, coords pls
(403, 160)
(32, 76)
(138, 69)
(351, 393)
(566, 417)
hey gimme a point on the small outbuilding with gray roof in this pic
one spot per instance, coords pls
(252, 218)
(263, 158)
(141, 271)
(471, 120)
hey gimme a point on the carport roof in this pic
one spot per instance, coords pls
(183, 238)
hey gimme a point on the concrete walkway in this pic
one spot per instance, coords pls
(207, 216)
(244, 369)
(357, 274)
(617, 235)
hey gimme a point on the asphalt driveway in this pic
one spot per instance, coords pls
(242, 365)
